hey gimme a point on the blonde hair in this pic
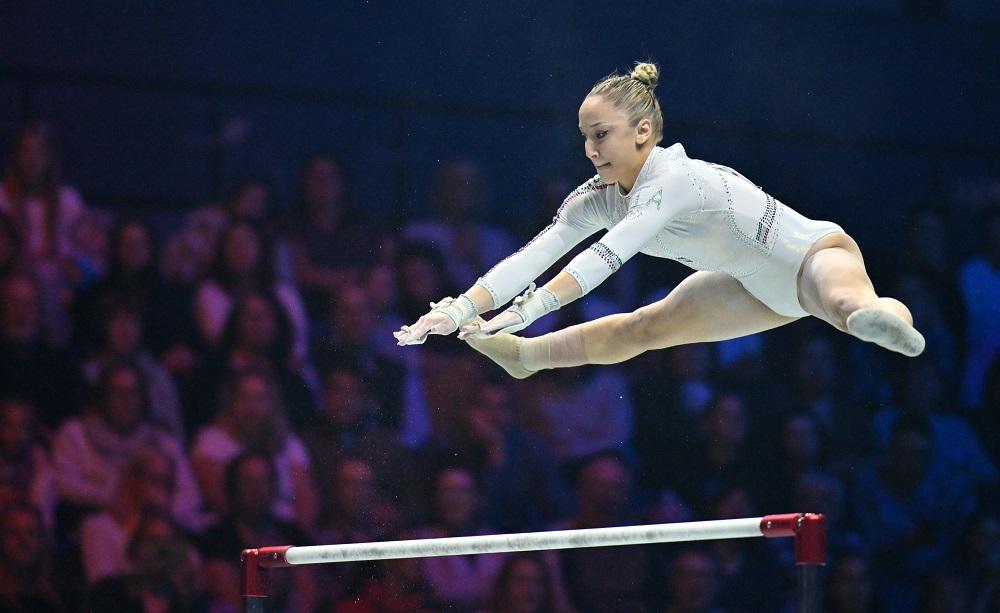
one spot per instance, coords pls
(634, 95)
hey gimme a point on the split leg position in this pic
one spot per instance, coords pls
(713, 306)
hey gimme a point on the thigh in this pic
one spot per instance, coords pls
(831, 276)
(706, 307)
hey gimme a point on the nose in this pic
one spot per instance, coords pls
(589, 149)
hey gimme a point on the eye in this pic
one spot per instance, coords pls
(600, 134)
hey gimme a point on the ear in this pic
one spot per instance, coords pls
(643, 131)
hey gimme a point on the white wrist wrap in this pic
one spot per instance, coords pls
(534, 303)
(461, 310)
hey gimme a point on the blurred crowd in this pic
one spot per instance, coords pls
(173, 393)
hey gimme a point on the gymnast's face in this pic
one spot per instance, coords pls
(616, 148)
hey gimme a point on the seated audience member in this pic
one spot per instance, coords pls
(250, 483)
(29, 366)
(978, 555)
(979, 283)
(242, 266)
(26, 581)
(165, 573)
(350, 337)
(522, 485)
(911, 510)
(954, 443)
(606, 578)
(458, 583)
(258, 336)
(458, 201)
(396, 587)
(90, 452)
(348, 426)
(252, 418)
(25, 466)
(123, 333)
(524, 584)
(147, 486)
(693, 581)
(44, 211)
(330, 241)
(851, 588)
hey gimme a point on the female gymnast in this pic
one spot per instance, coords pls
(759, 264)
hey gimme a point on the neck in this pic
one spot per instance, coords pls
(626, 183)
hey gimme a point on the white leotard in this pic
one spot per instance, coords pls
(704, 215)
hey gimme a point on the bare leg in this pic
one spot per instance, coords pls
(834, 286)
(707, 306)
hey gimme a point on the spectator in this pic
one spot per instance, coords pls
(852, 587)
(29, 366)
(395, 588)
(45, 211)
(92, 451)
(123, 332)
(26, 581)
(258, 336)
(693, 583)
(242, 266)
(522, 485)
(606, 578)
(331, 243)
(147, 486)
(250, 483)
(25, 467)
(947, 592)
(458, 202)
(253, 419)
(165, 575)
(458, 583)
(348, 426)
(979, 282)
(910, 510)
(978, 554)
(524, 584)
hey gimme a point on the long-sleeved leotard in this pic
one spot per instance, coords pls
(706, 216)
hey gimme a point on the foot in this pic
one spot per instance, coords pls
(887, 330)
(505, 350)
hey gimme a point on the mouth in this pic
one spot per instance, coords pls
(604, 165)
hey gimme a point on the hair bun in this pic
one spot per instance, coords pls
(646, 73)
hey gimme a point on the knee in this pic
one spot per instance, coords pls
(640, 330)
(839, 307)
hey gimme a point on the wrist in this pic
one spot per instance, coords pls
(461, 310)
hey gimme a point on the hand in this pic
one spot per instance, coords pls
(508, 321)
(434, 322)
(526, 309)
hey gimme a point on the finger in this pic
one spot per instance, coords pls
(469, 330)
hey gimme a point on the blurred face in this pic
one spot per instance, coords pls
(258, 326)
(352, 315)
(526, 586)
(21, 539)
(851, 587)
(733, 505)
(154, 488)
(801, 440)
(20, 310)
(324, 184)
(603, 489)
(693, 582)
(252, 404)
(355, 489)
(254, 489)
(33, 159)
(344, 398)
(242, 250)
(124, 402)
(420, 279)
(616, 149)
(727, 420)
(490, 416)
(135, 249)
(460, 192)
(124, 332)
(251, 202)
(15, 430)
(456, 498)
